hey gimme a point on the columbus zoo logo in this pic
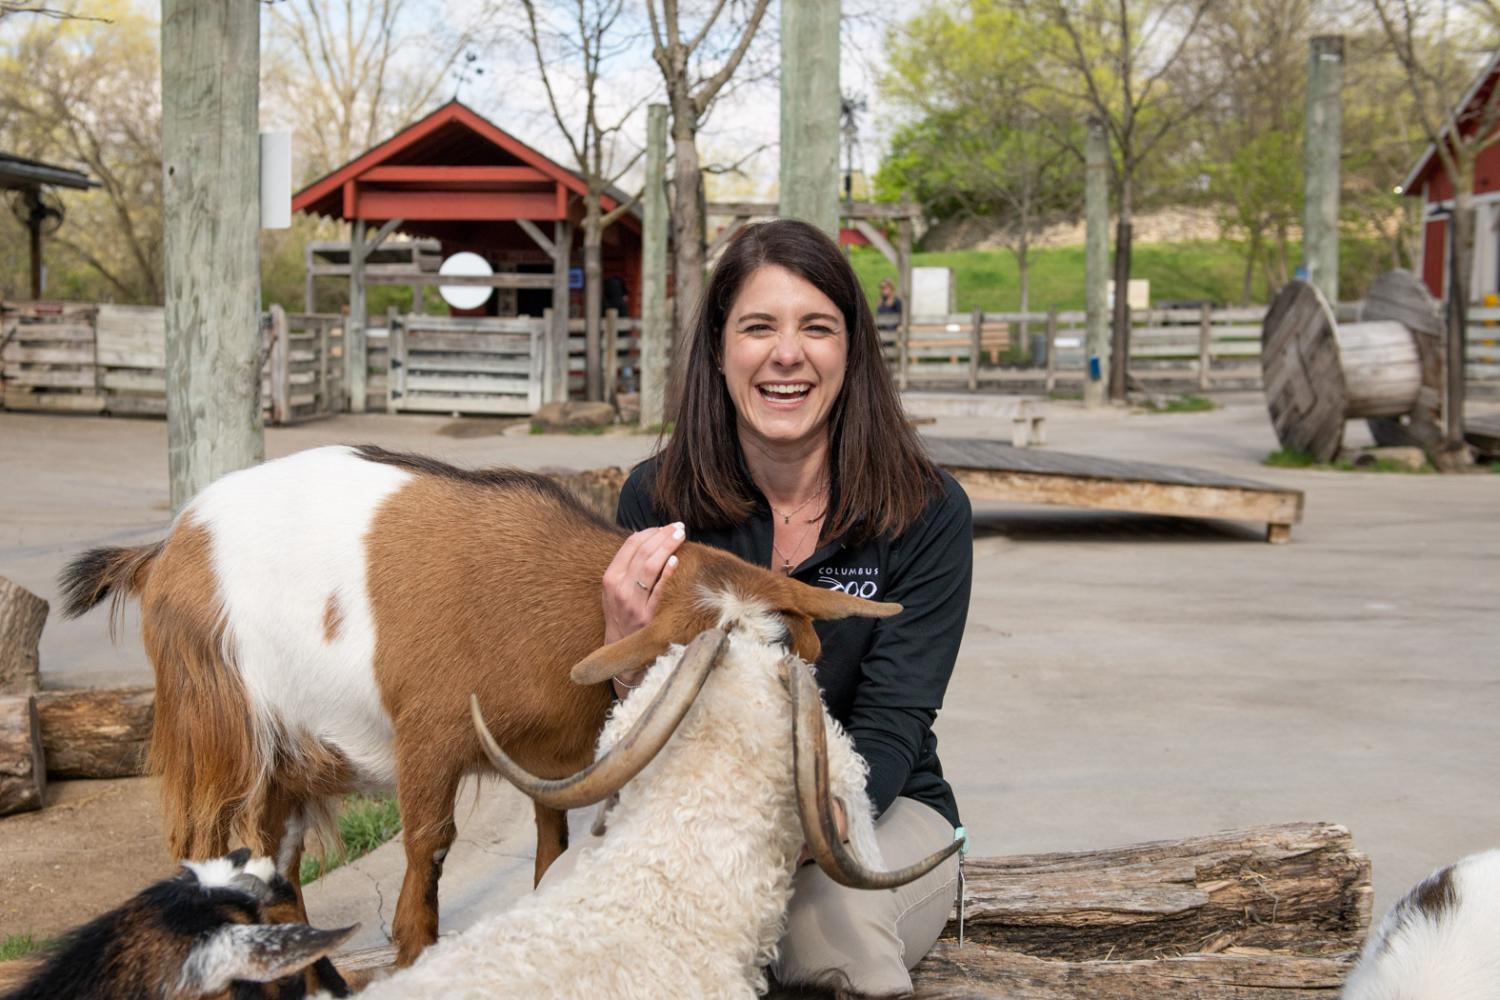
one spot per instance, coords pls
(856, 581)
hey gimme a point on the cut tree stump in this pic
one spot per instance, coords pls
(100, 733)
(22, 615)
(23, 777)
(1270, 913)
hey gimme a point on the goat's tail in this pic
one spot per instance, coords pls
(102, 572)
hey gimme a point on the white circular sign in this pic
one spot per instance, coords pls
(466, 296)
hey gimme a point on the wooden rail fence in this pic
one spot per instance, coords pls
(1200, 349)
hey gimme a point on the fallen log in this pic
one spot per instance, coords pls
(98, 733)
(22, 615)
(979, 972)
(1299, 888)
(23, 778)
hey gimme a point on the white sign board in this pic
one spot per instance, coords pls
(931, 291)
(1140, 293)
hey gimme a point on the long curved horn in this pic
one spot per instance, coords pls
(814, 796)
(636, 748)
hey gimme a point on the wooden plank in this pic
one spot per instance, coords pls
(419, 341)
(482, 385)
(48, 333)
(51, 354)
(50, 378)
(509, 405)
(21, 398)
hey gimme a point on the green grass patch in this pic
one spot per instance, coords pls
(1194, 269)
(537, 427)
(19, 946)
(1182, 404)
(364, 824)
(1287, 458)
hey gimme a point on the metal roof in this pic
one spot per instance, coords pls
(19, 172)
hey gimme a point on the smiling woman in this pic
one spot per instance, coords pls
(791, 450)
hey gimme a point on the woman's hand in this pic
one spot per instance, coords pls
(633, 585)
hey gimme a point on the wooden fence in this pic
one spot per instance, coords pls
(77, 358)
(1184, 349)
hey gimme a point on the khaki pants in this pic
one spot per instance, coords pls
(863, 940)
(859, 939)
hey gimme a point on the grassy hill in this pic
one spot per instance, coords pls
(987, 279)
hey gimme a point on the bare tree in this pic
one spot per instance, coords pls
(7, 8)
(594, 38)
(691, 91)
(1427, 37)
(1120, 55)
(90, 94)
(336, 69)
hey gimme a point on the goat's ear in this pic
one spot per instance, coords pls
(821, 604)
(630, 653)
(257, 953)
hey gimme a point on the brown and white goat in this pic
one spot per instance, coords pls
(218, 930)
(317, 623)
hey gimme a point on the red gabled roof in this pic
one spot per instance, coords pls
(1474, 98)
(448, 140)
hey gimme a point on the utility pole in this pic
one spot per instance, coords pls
(656, 321)
(1321, 150)
(810, 105)
(210, 94)
(1096, 264)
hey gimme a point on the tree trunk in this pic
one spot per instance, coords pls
(1462, 222)
(1120, 351)
(23, 777)
(22, 615)
(687, 235)
(96, 734)
(593, 296)
(1023, 275)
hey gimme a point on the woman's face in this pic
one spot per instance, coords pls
(785, 350)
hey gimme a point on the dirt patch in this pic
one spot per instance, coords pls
(94, 845)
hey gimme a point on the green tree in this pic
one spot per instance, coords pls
(980, 145)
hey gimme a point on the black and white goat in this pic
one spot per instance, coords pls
(215, 931)
(1440, 942)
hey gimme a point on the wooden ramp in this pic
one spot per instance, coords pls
(1484, 433)
(996, 471)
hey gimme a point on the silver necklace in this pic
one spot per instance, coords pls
(787, 515)
(786, 563)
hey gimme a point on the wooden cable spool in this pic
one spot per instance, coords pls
(1386, 368)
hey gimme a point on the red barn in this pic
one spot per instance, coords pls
(1429, 181)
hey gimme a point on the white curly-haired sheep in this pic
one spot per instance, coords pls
(1440, 942)
(686, 894)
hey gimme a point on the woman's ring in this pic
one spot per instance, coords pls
(643, 586)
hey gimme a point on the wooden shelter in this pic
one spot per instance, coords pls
(457, 178)
(1429, 181)
(31, 178)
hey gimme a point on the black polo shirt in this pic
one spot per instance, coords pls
(882, 679)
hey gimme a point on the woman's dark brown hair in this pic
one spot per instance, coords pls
(882, 479)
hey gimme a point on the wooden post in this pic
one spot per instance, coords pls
(611, 355)
(1051, 379)
(1096, 355)
(903, 333)
(395, 364)
(356, 358)
(1320, 222)
(210, 82)
(655, 318)
(810, 105)
(976, 342)
(1205, 344)
(34, 240)
(280, 373)
(22, 615)
(307, 280)
(562, 239)
(325, 404)
(23, 774)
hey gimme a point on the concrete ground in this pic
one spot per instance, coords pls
(1122, 678)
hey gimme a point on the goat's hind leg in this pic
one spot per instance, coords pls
(428, 831)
